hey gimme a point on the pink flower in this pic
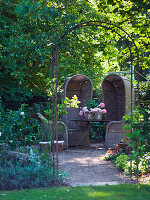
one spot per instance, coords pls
(95, 109)
(81, 113)
(102, 105)
(91, 109)
(100, 110)
(104, 111)
(85, 109)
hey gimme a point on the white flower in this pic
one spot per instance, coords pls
(22, 113)
(0, 134)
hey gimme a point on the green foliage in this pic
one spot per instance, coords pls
(97, 131)
(107, 192)
(91, 104)
(145, 93)
(18, 127)
(30, 29)
(144, 125)
(70, 103)
(121, 156)
(122, 161)
(27, 32)
(112, 157)
(133, 123)
(62, 108)
(144, 164)
(36, 172)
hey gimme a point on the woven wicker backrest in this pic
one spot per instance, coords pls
(81, 86)
(117, 96)
(114, 133)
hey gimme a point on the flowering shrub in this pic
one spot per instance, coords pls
(92, 106)
(120, 156)
(18, 127)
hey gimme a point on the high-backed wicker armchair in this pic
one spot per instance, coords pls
(117, 98)
(81, 86)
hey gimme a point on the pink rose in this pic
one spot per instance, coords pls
(95, 109)
(104, 111)
(85, 109)
(102, 105)
(81, 113)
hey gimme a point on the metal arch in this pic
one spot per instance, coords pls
(108, 23)
(55, 127)
(111, 28)
(56, 49)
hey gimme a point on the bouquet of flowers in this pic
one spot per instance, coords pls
(93, 110)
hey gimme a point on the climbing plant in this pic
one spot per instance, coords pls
(134, 126)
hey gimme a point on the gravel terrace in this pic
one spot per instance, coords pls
(86, 166)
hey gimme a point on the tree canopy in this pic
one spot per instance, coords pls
(31, 29)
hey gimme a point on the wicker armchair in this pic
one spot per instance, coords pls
(48, 130)
(117, 98)
(78, 132)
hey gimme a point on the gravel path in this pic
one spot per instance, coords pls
(86, 166)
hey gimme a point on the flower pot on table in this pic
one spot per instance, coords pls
(93, 116)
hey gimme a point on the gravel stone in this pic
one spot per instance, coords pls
(86, 166)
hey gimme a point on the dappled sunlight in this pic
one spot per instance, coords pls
(98, 194)
(84, 161)
(88, 168)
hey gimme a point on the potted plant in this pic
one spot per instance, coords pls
(93, 111)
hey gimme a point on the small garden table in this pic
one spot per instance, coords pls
(88, 121)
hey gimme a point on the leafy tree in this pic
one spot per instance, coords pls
(27, 30)
(31, 29)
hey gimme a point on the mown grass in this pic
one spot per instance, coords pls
(107, 192)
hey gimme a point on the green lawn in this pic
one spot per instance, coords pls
(122, 192)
